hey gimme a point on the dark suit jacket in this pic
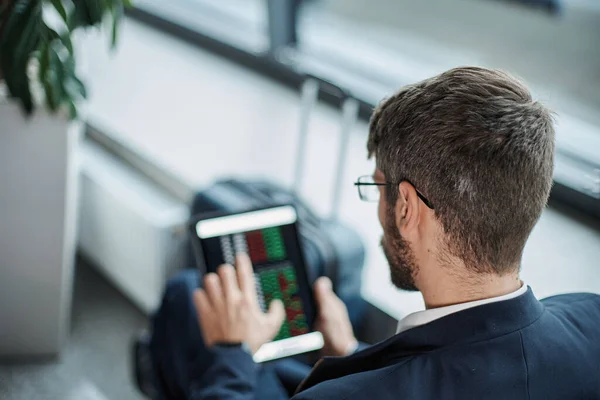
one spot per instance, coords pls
(520, 348)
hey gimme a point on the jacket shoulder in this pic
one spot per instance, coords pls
(581, 310)
(572, 299)
(363, 385)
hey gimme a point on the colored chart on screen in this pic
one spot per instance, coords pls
(275, 274)
(280, 282)
(265, 245)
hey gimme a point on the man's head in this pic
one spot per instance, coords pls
(480, 150)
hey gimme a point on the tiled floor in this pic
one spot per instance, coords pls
(95, 364)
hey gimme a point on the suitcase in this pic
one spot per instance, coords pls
(330, 248)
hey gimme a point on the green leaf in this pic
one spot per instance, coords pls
(60, 78)
(47, 78)
(80, 86)
(58, 5)
(50, 34)
(95, 11)
(128, 3)
(68, 64)
(44, 60)
(74, 85)
(12, 35)
(30, 37)
(25, 36)
(56, 76)
(72, 110)
(20, 40)
(117, 13)
(51, 98)
(14, 22)
(115, 32)
(24, 95)
(79, 15)
(66, 39)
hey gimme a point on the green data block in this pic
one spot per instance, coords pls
(284, 332)
(274, 245)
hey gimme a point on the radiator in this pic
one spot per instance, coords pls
(130, 229)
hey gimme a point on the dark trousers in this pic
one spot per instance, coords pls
(180, 357)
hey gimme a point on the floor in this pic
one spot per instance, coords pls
(95, 364)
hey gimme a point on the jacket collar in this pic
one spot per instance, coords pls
(468, 326)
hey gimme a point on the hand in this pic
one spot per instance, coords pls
(228, 308)
(333, 321)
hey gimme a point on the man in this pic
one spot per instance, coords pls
(464, 169)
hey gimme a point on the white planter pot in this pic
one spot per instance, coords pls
(38, 209)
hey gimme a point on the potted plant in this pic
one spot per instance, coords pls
(40, 93)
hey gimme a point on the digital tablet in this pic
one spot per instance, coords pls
(270, 238)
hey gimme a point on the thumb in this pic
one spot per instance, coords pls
(323, 289)
(275, 317)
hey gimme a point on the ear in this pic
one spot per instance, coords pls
(407, 209)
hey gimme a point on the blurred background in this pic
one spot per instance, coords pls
(200, 90)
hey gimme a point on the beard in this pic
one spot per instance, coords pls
(400, 257)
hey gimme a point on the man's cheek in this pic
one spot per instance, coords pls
(381, 212)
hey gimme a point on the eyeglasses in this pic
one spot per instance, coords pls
(368, 189)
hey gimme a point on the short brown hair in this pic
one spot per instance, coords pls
(474, 142)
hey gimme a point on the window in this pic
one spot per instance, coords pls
(372, 47)
(394, 42)
(239, 23)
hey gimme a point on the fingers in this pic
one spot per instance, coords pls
(323, 289)
(204, 312)
(275, 316)
(245, 275)
(214, 292)
(201, 302)
(329, 304)
(229, 283)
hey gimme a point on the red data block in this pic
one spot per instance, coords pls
(256, 247)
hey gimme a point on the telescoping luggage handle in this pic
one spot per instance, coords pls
(348, 115)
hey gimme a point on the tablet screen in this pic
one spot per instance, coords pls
(270, 238)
